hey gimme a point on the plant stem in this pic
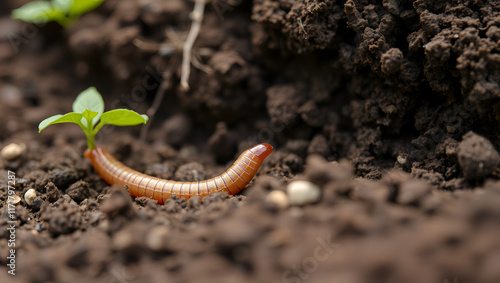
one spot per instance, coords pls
(90, 141)
(90, 133)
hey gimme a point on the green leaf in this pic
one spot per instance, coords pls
(71, 117)
(37, 12)
(62, 5)
(89, 99)
(123, 117)
(89, 115)
(81, 6)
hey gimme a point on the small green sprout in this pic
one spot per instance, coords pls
(61, 11)
(88, 109)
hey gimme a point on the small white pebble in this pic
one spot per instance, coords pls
(279, 198)
(15, 200)
(30, 196)
(401, 160)
(12, 151)
(303, 192)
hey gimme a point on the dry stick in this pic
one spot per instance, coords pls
(197, 17)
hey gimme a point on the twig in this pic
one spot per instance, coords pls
(197, 17)
(196, 61)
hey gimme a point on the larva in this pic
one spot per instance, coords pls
(141, 185)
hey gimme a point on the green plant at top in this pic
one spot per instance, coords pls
(88, 110)
(61, 11)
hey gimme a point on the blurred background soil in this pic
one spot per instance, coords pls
(389, 107)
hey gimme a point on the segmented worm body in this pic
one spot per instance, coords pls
(141, 185)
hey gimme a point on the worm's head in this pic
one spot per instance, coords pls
(262, 150)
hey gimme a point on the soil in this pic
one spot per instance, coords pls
(390, 107)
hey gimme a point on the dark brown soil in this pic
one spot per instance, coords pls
(391, 107)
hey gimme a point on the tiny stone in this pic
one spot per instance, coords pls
(12, 151)
(30, 196)
(53, 194)
(279, 198)
(401, 160)
(303, 192)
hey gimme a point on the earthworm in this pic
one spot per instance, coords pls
(141, 185)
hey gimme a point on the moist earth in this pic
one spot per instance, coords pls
(389, 107)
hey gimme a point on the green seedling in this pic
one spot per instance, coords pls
(88, 113)
(62, 11)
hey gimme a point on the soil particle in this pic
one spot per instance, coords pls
(157, 237)
(156, 12)
(160, 170)
(222, 143)
(391, 61)
(370, 191)
(79, 191)
(91, 252)
(118, 202)
(229, 66)
(63, 219)
(321, 172)
(176, 129)
(63, 178)
(52, 193)
(319, 145)
(282, 104)
(37, 204)
(412, 192)
(477, 156)
(190, 172)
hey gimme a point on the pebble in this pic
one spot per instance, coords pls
(12, 151)
(477, 157)
(279, 198)
(303, 192)
(30, 196)
(401, 160)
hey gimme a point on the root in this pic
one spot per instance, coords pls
(197, 17)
